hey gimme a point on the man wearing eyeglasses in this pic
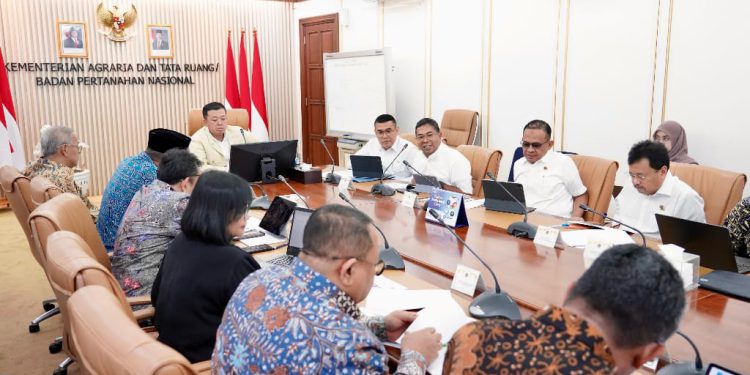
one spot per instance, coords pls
(551, 182)
(655, 190)
(387, 144)
(304, 319)
(445, 163)
(60, 153)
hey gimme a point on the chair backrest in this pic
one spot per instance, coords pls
(70, 266)
(110, 343)
(43, 190)
(516, 155)
(66, 212)
(482, 161)
(236, 117)
(18, 192)
(411, 138)
(598, 175)
(459, 126)
(720, 189)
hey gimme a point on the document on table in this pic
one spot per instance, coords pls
(268, 238)
(384, 301)
(579, 238)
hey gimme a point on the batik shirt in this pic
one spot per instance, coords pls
(738, 223)
(552, 342)
(61, 176)
(295, 321)
(150, 223)
(133, 173)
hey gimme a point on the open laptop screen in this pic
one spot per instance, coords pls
(296, 234)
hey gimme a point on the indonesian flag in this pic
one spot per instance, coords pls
(244, 77)
(232, 99)
(11, 146)
(258, 117)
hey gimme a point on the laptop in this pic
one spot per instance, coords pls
(367, 168)
(425, 184)
(296, 235)
(711, 242)
(497, 199)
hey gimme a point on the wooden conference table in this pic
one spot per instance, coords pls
(534, 276)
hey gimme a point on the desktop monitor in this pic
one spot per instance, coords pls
(253, 161)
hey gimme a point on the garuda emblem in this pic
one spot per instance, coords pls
(113, 22)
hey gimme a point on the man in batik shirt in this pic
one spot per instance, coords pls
(152, 221)
(304, 320)
(131, 174)
(617, 317)
(60, 153)
(738, 223)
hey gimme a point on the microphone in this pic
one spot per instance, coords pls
(390, 256)
(682, 368)
(432, 182)
(381, 188)
(330, 178)
(283, 179)
(604, 215)
(491, 303)
(243, 134)
(519, 228)
(262, 202)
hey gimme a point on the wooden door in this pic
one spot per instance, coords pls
(317, 35)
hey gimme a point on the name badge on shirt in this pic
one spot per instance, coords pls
(546, 236)
(466, 280)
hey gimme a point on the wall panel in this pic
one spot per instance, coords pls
(114, 120)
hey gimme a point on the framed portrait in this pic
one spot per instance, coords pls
(72, 39)
(160, 41)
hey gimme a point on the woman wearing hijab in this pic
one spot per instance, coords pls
(672, 135)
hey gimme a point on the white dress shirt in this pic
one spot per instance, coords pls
(674, 198)
(449, 166)
(398, 169)
(550, 184)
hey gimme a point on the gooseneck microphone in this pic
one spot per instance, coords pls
(604, 215)
(243, 134)
(491, 303)
(685, 368)
(432, 181)
(382, 188)
(519, 228)
(262, 202)
(330, 178)
(283, 179)
(390, 256)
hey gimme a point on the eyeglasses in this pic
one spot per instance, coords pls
(388, 131)
(425, 135)
(535, 145)
(378, 266)
(78, 147)
(641, 176)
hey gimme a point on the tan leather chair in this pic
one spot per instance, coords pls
(459, 126)
(410, 137)
(70, 266)
(66, 212)
(720, 189)
(238, 117)
(110, 343)
(598, 175)
(43, 190)
(482, 161)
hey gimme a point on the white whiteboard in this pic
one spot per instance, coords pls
(357, 90)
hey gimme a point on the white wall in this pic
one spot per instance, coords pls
(603, 73)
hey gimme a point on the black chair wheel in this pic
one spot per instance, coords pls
(48, 306)
(55, 347)
(33, 328)
(60, 371)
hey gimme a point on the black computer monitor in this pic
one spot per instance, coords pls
(246, 160)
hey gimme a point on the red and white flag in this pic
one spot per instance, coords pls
(258, 116)
(245, 99)
(232, 97)
(11, 145)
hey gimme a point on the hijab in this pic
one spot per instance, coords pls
(676, 133)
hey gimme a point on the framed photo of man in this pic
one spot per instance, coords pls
(72, 39)
(160, 41)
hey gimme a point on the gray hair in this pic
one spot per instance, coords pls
(53, 138)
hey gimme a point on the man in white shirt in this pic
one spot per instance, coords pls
(212, 143)
(448, 165)
(655, 190)
(551, 182)
(387, 144)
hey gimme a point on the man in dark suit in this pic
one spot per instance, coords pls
(73, 39)
(159, 41)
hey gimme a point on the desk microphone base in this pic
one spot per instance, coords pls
(332, 178)
(392, 259)
(491, 304)
(522, 229)
(261, 202)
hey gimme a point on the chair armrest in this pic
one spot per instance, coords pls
(139, 300)
(202, 367)
(146, 313)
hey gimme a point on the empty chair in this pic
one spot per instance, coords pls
(411, 138)
(516, 155)
(110, 343)
(598, 175)
(482, 161)
(235, 116)
(720, 189)
(459, 126)
(43, 190)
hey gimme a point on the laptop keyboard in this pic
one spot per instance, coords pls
(282, 260)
